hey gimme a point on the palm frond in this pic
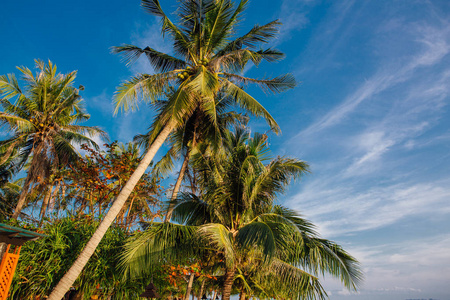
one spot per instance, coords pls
(248, 103)
(258, 34)
(257, 234)
(278, 84)
(161, 62)
(148, 87)
(220, 238)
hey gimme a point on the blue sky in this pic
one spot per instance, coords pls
(370, 115)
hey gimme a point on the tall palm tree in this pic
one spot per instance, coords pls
(234, 217)
(43, 121)
(208, 60)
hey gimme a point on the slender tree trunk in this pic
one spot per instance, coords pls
(128, 218)
(45, 202)
(176, 188)
(202, 287)
(228, 283)
(74, 271)
(189, 287)
(3, 247)
(242, 294)
(215, 295)
(22, 197)
(51, 201)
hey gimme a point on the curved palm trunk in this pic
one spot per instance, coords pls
(69, 278)
(22, 197)
(228, 283)
(176, 188)
(189, 287)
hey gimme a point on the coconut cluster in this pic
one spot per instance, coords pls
(189, 70)
(44, 125)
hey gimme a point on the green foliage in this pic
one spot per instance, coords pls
(43, 262)
(42, 119)
(234, 219)
(209, 59)
(94, 181)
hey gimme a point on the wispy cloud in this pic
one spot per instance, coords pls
(339, 211)
(435, 44)
(149, 35)
(416, 264)
(101, 103)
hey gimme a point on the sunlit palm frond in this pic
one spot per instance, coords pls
(9, 86)
(275, 85)
(147, 87)
(181, 41)
(258, 34)
(292, 282)
(160, 241)
(247, 102)
(161, 62)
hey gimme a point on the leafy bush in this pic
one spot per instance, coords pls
(43, 262)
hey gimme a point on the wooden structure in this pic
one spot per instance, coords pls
(14, 237)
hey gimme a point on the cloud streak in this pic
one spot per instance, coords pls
(436, 45)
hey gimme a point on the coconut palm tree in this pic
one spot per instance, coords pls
(198, 129)
(43, 122)
(235, 218)
(208, 60)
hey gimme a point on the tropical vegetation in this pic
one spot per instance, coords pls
(43, 122)
(234, 217)
(114, 221)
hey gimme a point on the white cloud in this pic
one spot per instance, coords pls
(339, 211)
(101, 103)
(436, 45)
(149, 35)
(412, 265)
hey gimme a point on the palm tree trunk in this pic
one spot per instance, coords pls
(51, 203)
(176, 188)
(189, 287)
(69, 278)
(202, 287)
(45, 202)
(128, 218)
(228, 283)
(242, 294)
(22, 197)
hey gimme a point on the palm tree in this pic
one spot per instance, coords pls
(208, 61)
(235, 218)
(198, 129)
(43, 121)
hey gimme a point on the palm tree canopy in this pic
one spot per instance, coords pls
(234, 218)
(44, 117)
(207, 59)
